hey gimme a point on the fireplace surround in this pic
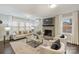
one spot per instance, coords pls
(49, 28)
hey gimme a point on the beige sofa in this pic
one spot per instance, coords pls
(20, 36)
(15, 37)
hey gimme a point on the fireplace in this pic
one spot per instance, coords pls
(47, 32)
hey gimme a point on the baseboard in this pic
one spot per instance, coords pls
(73, 43)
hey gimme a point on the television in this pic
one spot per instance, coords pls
(48, 21)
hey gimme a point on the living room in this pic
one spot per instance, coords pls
(39, 29)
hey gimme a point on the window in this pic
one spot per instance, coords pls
(67, 25)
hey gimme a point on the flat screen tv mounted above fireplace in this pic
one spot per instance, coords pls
(48, 21)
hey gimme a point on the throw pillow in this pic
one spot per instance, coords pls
(62, 36)
(56, 45)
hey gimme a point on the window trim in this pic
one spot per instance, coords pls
(68, 17)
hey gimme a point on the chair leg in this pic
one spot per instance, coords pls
(4, 42)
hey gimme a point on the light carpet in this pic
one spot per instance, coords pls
(20, 47)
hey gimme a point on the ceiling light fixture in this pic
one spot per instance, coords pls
(52, 6)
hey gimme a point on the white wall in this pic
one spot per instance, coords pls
(1, 32)
(6, 20)
(58, 25)
(39, 27)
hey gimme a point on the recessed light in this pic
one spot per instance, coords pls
(52, 6)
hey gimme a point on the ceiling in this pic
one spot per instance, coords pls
(39, 10)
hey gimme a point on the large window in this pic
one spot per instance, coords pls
(67, 25)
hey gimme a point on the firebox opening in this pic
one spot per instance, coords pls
(48, 32)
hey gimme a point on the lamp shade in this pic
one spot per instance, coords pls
(7, 28)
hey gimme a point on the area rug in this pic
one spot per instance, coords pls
(20, 47)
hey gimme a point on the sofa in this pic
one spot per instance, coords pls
(19, 35)
(15, 37)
